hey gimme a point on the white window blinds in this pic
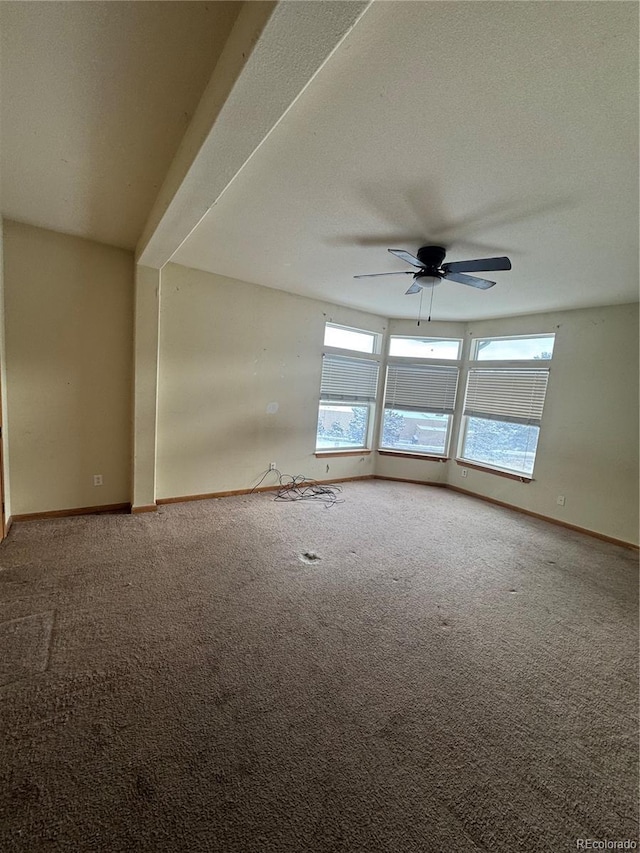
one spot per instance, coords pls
(506, 394)
(421, 388)
(351, 379)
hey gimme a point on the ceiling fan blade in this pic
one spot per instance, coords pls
(374, 274)
(471, 280)
(406, 256)
(479, 265)
(415, 288)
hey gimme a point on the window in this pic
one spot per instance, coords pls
(348, 389)
(341, 337)
(420, 396)
(424, 347)
(504, 402)
(537, 347)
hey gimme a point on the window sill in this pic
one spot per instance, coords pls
(510, 475)
(320, 454)
(404, 455)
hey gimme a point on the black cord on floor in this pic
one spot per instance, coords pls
(299, 488)
(261, 480)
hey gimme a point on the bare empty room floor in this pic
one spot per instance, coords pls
(447, 675)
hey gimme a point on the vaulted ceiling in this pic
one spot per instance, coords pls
(341, 130)
(96, 97)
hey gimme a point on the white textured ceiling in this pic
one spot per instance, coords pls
(492, 128)
(96, 97)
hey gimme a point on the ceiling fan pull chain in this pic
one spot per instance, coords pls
(420, 307)
(431, 303)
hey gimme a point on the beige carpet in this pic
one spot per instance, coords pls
(447, 676)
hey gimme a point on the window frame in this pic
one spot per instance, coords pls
(481, 465)
(370, 405)
(473, 363)
(473, 350)
(406, 358)
(416, 361)
(394, 451)
(377, 340)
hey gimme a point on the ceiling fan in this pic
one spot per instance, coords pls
(430, 269)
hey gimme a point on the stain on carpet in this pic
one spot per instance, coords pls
(143, 787)
(309, 557)
(24, 646)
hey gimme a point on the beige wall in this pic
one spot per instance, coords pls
(227, 350)
(6, 497)
(6, 474)
(588, 445)
(69, 309)
(145, 386)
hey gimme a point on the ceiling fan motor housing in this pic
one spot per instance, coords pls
(431, 258)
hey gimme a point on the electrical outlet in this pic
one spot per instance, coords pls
(97, 479)
(463, 472)
(560, 500)
(272, 466)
